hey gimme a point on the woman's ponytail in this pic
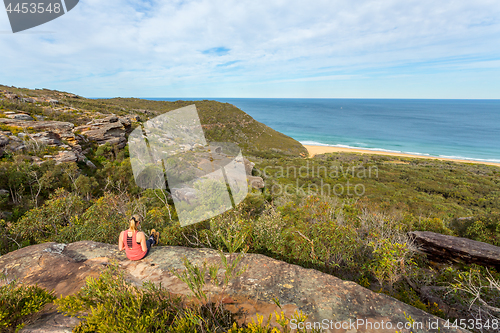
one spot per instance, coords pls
(133, 222)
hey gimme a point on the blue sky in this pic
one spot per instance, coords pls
(271, 48)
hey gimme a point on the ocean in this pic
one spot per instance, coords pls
(458, 129)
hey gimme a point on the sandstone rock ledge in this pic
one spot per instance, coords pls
(64, 268)
(445, 248)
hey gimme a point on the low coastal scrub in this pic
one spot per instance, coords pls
(483, 228)
(362, 239)
(343, 214)
(20, 305)
(111, 304)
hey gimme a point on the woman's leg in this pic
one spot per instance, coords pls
(150, 242)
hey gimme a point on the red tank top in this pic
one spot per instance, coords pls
(136, 252)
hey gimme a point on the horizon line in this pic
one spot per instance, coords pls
(209, 98)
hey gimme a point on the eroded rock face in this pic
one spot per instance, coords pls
(63, 268)
(20, 116)
(256, 182)
(444, 248)
(65, 156)
(46, 138)
(62, 128)
(112, 130)
(11, 95)
(4, 140)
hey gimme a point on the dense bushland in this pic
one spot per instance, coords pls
(111, 304)
(20, 304)
(343, 214)
(359, 238)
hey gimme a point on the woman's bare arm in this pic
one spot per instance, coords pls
(120, 242)
(142, 238)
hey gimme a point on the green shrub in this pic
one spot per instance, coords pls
(391, 261)
(432, 224)
(19, 304)
(48, 222)
(110, 304)
(101, 222)
(483, 228)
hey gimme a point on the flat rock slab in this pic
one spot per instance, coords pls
(456, 249)
(324, 298)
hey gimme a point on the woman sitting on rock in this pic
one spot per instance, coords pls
(134, 242)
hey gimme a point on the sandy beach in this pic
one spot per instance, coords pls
(315, 150)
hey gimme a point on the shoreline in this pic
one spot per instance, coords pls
(317, 150)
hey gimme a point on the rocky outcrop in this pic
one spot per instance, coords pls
(43, 133)
(112, 130)
(444, 248)
(10, 95)
(256, 182)
(47, 138)
(62, 128)
(28, 100)
(4, 140)
(20, 116)
(64, 268)
(65, 156)
(15, 143)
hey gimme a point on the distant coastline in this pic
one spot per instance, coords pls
(458, 130)
(316, 150)
(455, 130)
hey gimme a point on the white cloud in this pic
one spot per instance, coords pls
(107, 48)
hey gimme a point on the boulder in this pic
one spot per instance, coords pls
(64, 268)
(28, 100)
(47, 138)
(445, 248)
(256, 182)
(65, 156)
(4, 140)
(20, 116)
(184, 194)
(15, 144)
(11, 96)
(90, 164)
(248, 166)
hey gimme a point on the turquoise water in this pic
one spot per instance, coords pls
(461, 129)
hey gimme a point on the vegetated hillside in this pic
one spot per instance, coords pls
(222, 122)
(226, 123)
(65, 184)
(421, 187)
